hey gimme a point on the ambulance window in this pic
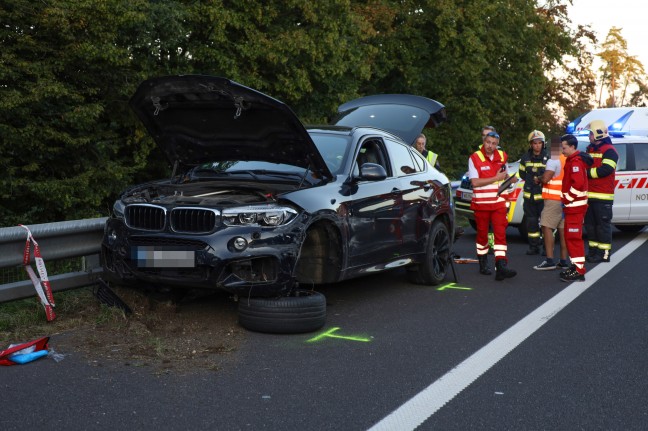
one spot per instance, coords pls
(622, 162)
(641, 156)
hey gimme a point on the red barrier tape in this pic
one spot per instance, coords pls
(42, 286)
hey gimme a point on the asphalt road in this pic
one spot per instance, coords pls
(392, 356)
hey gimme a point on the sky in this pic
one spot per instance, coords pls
(628, 15)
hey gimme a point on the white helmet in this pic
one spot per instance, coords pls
(536, 134)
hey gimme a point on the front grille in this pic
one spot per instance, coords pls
(193, 220)
(146, 217)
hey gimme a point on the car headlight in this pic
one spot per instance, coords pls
(267, 215)
(118, 209)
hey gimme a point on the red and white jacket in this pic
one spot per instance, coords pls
(485, 197)
(574, 184)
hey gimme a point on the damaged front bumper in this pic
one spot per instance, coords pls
(242, 261)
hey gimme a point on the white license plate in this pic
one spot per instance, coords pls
(156, 257)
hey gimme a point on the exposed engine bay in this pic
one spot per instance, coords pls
(202, 194)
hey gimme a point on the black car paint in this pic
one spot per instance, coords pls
(349, 221)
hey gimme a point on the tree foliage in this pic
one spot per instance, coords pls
(620, 70)
(68, 68)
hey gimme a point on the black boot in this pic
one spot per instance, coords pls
(534, 246)
(592, 255)
(502, 272)
(483, 265)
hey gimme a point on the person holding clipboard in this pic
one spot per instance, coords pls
(487, 172)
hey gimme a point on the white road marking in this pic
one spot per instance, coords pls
(427, 402)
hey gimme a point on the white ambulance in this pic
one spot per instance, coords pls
(628, 129)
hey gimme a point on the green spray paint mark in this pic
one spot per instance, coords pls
(330, 334)
(452, 286)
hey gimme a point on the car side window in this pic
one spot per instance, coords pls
(641, 156)
(402, 159)
(371, 152)
(622, 164)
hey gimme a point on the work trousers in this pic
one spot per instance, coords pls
(497, 219)
(598, 226)
(532, 210)
(574, 239)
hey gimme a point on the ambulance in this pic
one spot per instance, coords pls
(628, 130)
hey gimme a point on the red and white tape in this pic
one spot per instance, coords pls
(42, 285)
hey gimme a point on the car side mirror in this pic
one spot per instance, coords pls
(372, 172)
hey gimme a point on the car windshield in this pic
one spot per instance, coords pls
(333, 148)
(250, 169)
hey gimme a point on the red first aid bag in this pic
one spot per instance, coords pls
(38, 345)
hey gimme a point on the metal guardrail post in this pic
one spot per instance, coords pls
(59, 240)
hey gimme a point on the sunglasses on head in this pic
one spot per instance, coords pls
(493, 135)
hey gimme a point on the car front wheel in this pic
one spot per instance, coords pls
(629, 227)
(302, 311)
(434, 266)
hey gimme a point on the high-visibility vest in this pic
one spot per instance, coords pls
(431, 157)
(485, 197)
(553, 189)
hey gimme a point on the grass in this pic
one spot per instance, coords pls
(24, 320)
(158, 333)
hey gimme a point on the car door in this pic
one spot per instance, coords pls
(410, 169)
(625, 180)
(374, 208)
(639, 191)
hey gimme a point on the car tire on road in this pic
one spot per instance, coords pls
(629, 227)
(433, 269)
(303, 311)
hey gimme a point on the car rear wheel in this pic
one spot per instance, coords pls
(434, 267)
(629, 227)
(302, 311)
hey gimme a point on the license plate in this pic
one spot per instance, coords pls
(466, 196)
(159, 257)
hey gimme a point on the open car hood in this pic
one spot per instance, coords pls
(198, 119)
(403, 115)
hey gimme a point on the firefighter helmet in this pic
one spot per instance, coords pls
(598, 129)
(536, 134)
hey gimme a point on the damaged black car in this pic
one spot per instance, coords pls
(267, 209)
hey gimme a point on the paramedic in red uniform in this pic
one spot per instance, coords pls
(598, 221)
(487, 170)
(574, 199)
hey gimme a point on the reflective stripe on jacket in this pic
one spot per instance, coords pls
(601, 174)
(485, 197)
(574, 184)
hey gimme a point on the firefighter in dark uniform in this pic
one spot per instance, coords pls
(600, 195)
(532, 166)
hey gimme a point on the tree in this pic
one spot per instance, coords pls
(619, 68)
(70, 142)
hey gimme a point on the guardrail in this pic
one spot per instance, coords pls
(59, 240)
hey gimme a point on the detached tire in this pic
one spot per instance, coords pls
(434, 267)
(305, 311)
